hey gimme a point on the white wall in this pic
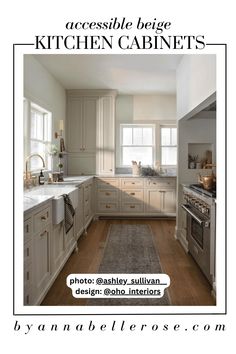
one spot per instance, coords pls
(43, 89)
(195, 82)
(155, 109)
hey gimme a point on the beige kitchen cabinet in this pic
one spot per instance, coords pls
(136, 196)
(57, 247)
(81, 124)
(153, 201)
(88, 203)
(28, 272)
(105, 157)
(108, 195)
(90, 131)
(37, 248)
(79, 213)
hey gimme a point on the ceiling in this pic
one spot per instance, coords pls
(127, 73)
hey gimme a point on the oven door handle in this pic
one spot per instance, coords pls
(201, 222)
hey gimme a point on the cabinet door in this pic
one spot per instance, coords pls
(41, 261)
(79, 213)
(57, 247)
(105, 136)
(153, 201)
(75, 124)
(168, 201)
(89, 124)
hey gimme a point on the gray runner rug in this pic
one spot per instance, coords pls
(130, 249)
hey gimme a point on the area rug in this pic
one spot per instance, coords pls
(130, 250)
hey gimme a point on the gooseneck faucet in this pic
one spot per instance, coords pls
(27, 160)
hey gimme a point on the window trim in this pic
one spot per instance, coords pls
(28, 106)
(137, 125)
(161, 146)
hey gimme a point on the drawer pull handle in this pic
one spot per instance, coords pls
(107, 193)
(43, 217)
(43, 233)
(27, 228)
(27, 299)
(132, 206)
(132, 182)
(27, 275)
(108, 207)
(86, 200)
(27, 251)
(132, 193)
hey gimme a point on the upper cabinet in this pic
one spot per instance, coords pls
(90, 131)
(81, 128)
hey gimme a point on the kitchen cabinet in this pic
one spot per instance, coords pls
(136, 196)
(37, 257)
(28, 272)
(105, 158)
(90, 131)
(107, 195)
(81, 124)
(88, 203)
(79, 214)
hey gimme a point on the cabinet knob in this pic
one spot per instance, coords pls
(111, 169)
(43, 217)
(132, 206)
(108, 207)
(107, 193)
(132, 193)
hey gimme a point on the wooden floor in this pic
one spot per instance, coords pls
(188, 285)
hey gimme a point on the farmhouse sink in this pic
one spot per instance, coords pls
(56, 192)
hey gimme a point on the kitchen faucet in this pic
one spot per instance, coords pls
(27, 175)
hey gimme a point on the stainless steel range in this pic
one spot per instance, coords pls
(199, 205)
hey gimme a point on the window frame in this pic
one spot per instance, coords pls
(161, 146)
(28, 107)
(136, 125)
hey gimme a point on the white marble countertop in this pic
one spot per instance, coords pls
(32, 202)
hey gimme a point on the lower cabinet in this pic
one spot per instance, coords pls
(136, 196)
(37, 248)
(41, 262)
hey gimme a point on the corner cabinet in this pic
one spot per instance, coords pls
(90, 131)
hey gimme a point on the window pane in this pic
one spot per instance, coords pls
(165, 136)
(173, 136)
(169, 156)
(37, 148)
(137, 136)
(134, 153)
(147, 136)
(36, 125)
(47, 127)
(127, 136)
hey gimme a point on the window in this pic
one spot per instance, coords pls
(38, 135)
(168, 146)
(137, 144)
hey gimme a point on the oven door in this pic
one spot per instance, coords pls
(198, 236)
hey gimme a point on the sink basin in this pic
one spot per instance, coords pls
(56, 192)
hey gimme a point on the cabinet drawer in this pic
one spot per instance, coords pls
(160, 182)
(132, 195)
(27, 230)
(132, 183)
(107, 194)
(132, 207)
(28, 249)
(108, 183)
(108, 207)
(42, 219)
